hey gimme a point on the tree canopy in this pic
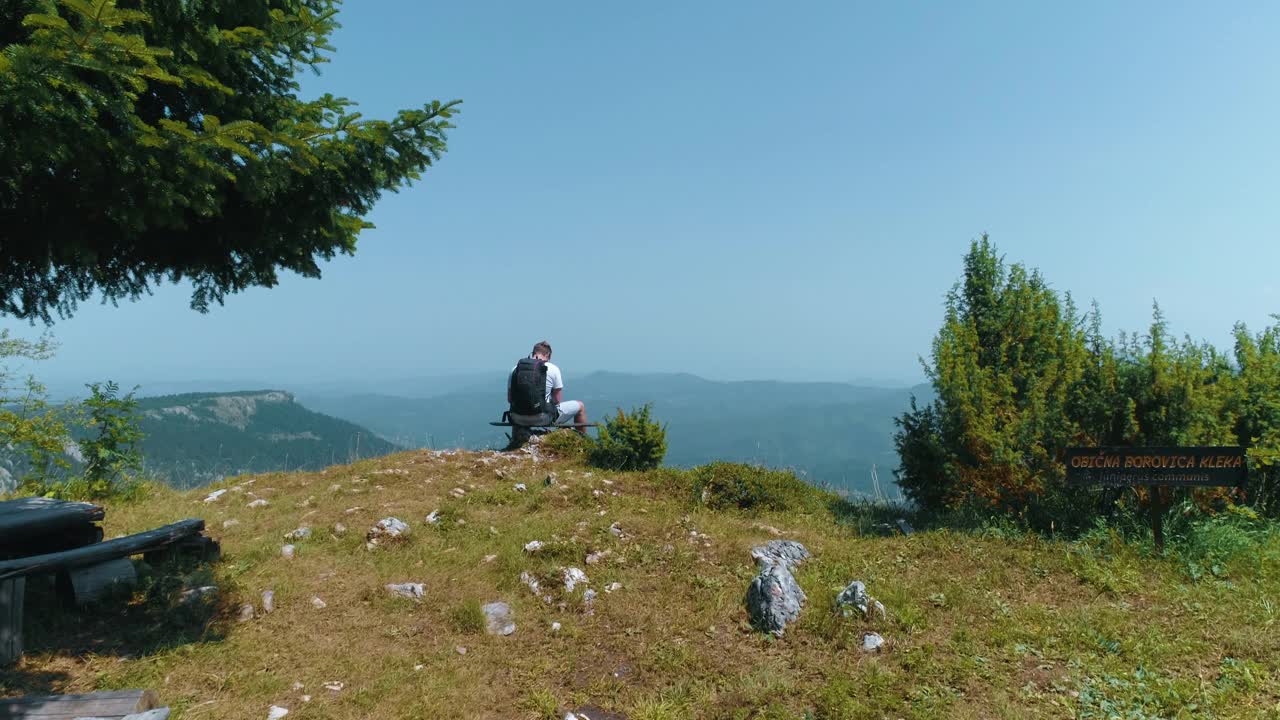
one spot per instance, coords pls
(1020, 375)
(151, 140)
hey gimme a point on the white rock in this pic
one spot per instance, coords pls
(616, 530)
(195, 594)
(613, 586)
(418, 668)
(301, 533)
(276, 712)
(533, 546)
(334, 686)
(214, 495)
(460, 650)
(318, 603)
(498, 619)
(596, 557)
(555, 627)
(520, 487)
(268, 601)
(339, 528)
(287, 552)
(457, 492)
(257, 504)
(411, 590)
(872, 642)
(389, 527)
(229, 523)
(572, 577)
(490, 558)
(531, 581)
(246, 613)
(298, 686)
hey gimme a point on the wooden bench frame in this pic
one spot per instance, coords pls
(13, 572)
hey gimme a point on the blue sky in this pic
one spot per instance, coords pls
(750, 189)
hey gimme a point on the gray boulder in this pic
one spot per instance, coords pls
(774, 599)
(498, 619)
(856, 597)
(787, 553)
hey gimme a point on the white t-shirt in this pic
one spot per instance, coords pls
(555, 381)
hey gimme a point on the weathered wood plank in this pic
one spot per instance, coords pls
(28, 517)
(28, 503)
(114, 704)
(103, 551)
(12, 599)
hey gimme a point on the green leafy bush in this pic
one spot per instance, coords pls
(78, 450)
(725, 486)
(112, 456)
(630, 441)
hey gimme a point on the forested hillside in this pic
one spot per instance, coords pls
(197, 438)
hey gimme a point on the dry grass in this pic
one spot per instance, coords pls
(977, 627)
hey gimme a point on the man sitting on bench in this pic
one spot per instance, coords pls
(536, 388)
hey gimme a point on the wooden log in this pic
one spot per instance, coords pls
(38, 516)
(103, 551)
(114, 704)
(12, 596)
(157, 714)
(204, 549)
(39, 544)
(95, 582)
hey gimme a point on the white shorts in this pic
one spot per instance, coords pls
(566, 410)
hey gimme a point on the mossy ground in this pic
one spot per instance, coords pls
(977, 627)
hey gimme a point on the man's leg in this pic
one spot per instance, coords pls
(575, 409)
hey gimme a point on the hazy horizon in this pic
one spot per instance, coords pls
(63, 388)
(740, 190)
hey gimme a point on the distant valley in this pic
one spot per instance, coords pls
(829, 433)
(832, 433)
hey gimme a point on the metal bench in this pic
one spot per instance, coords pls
(525, 426)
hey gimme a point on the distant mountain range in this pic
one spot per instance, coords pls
(832, 433)
(195, 438)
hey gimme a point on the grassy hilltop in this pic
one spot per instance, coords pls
(978, 625)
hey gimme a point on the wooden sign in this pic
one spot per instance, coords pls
(1172, 466)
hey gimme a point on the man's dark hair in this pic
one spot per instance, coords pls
(542, 348)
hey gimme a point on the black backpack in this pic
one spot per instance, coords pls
(529, 387)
